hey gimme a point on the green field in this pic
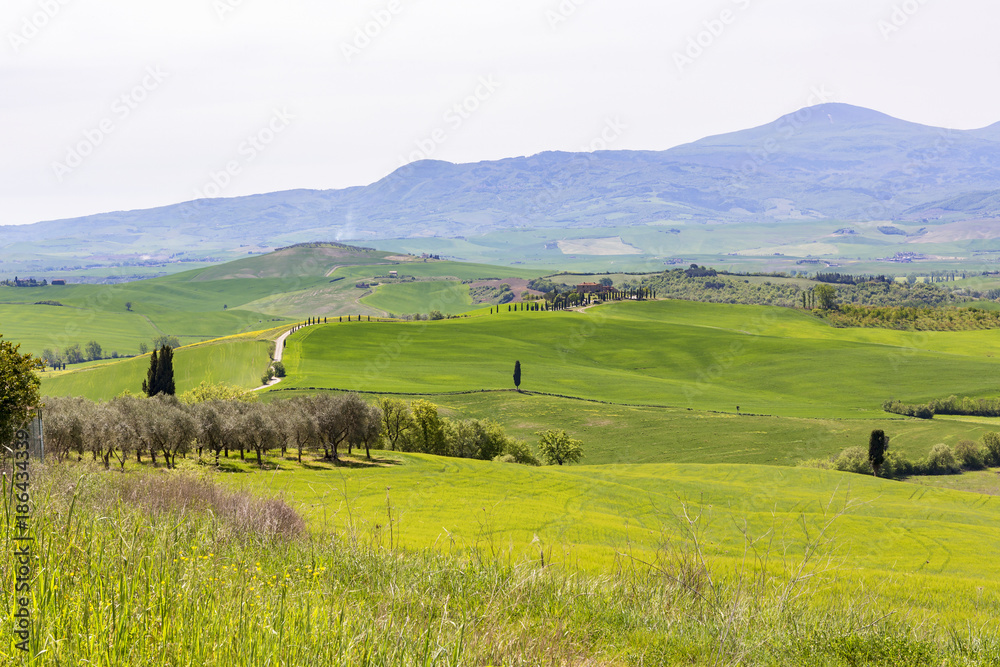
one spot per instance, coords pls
(768, 361)
(237, 362)
(919, 542)
(448, 296)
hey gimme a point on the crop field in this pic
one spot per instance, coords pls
(767, 361)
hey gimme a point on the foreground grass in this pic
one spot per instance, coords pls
(171, 583)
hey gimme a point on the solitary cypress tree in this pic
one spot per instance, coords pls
(517, 375)
(877, 446)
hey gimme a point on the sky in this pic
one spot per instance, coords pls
(112, 105)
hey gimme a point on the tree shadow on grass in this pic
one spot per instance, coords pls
(228, 467)
(352, 463)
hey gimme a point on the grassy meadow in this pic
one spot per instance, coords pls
(546, 566)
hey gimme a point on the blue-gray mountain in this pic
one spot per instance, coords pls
(832, 161)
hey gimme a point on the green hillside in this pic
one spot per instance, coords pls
(448, 296)
(678, 354)
(237, 362)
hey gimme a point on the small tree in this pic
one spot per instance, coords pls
(826, 296)
(557, 448)
(396, 421)
(878, 444)
(93, 350)
(428, 428)
(517, 375)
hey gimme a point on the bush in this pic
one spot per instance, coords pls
(991, 449)
(896, 466)
(969, 455)
(279, 369)
(940, 461)
(518, 451)
(854, 459)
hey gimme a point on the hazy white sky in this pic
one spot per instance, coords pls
(121, 104)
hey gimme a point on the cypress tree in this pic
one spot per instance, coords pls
(149, 385)
(166, 371)
(517, 375)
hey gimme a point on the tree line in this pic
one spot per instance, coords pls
(953, 405)
(940, 460)
(217, 422)
(76, 353)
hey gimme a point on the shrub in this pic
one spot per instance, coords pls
(940, 461)
(244, 516)
(854, 459)
(969, 455)
(991, 448)
(896, 466)
(518, 451)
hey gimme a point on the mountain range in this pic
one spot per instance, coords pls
(827, 162)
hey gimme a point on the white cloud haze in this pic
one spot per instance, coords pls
(121, 104)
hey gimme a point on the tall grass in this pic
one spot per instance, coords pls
(153, 569)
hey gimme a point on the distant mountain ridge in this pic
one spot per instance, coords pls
(832, 161)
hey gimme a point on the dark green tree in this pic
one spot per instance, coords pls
(827, 296)
(160, 376)
(149, 385)
(878, 444)
(517, 375)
